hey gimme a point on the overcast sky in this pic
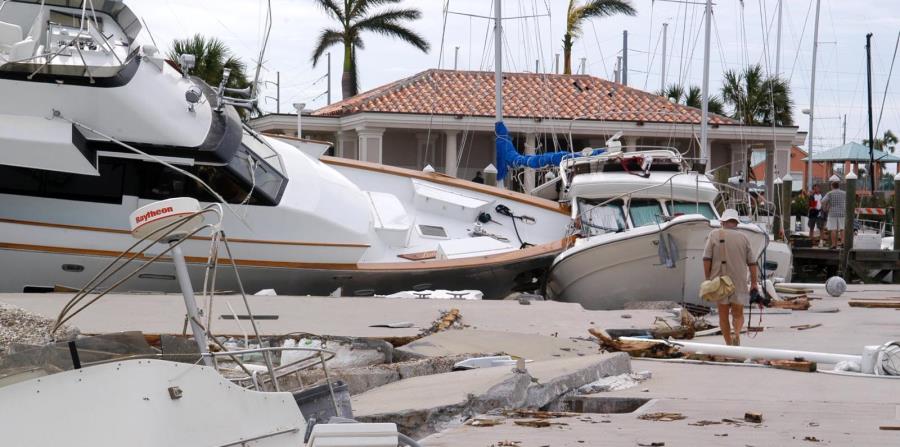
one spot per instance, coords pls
(744, 32)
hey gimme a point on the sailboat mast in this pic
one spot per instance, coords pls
(498, 60)
(704, 119)
(778, 44)
(812, 102)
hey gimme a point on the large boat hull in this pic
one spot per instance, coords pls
(612, 270)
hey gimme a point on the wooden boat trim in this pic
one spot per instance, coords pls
(201, 238)
(443, 179)
(551, 248)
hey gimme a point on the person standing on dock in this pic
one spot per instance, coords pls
(737, 262)
(815, 216)
(834, 205)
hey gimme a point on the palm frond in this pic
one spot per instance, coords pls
(359, 8)
(386, 25)
(332, 9)
(596, 8)
(327, 38)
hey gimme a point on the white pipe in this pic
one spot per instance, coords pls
(801, 285)
(747, 352)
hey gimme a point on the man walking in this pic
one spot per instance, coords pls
(814, 215)
(737, 263)
(835, 204)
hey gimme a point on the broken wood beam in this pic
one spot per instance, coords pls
(874, 304)
(794, 365)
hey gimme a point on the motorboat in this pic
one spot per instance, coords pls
(641, 221)
(96, 123)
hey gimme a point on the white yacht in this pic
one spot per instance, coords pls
(641, 223)
(96, 123)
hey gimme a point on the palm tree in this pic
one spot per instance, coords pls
(888, 141)
(756, 98)
(354, 18)
(692, 98)
(212, 58)
(578, 13)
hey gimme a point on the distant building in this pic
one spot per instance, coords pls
(798, 169)
(855, 156)
(445, 118)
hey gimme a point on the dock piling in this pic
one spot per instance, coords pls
(849, 218)
(786, 192)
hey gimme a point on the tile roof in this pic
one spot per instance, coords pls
(526, 95)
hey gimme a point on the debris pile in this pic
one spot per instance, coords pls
(20, 326)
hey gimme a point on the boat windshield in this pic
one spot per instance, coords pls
(608, 218)
(645, 212)
(680, 208)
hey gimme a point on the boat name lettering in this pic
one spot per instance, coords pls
(153, 213)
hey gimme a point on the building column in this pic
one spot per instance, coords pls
(739, 160)
(631, 144)
(347, 143)
(530, 149)
(425, 147)
(451, 153)
(370, 144)
(770, 171)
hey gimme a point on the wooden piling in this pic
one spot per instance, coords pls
(786, 199)
(849, 220)
(896, 225)
(490, 175)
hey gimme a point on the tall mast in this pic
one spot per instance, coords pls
(812, 102)
(871, 133)
(778, 44)
(704, 119)
(662, 75)
(498, 60)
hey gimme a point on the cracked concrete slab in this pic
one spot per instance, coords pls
(424, 405)
(528, 346)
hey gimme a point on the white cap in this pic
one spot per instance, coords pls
(730, 214)
(834, 178)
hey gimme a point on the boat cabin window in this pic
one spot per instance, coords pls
(608, 218)
(108, 187)
(681, 207)
(645, 212)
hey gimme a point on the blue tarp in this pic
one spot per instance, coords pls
(509, 158)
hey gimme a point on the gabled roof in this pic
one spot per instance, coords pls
(526, 95)
(853, 152)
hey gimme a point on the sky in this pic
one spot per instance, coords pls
(743, 33)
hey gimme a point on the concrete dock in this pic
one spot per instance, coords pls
(797, 408)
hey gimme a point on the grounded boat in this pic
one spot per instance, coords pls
(641, 223)
(95, 125)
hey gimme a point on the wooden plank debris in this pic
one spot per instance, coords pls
(794, 304)
(636, 348)
(537, 423)
(794, 365)
(753, 417)
(889, 427)
(662, 417)
(803, 327)
(872, 304)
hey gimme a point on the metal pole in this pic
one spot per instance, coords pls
(329, 78)
(537, 65)
(662, 76)
(498, 61)
(625, 57)
(190, 304)
(778, 44)
(556, 64)
(894, 231)
(869, 97)
(704, 119)
(844, 130)
(584, 65)
(278, 92)
(455, 57)
(618, 71)
(849, 216)
(812, 102)
(778, 225)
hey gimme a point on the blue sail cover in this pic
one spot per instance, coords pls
(509, 158)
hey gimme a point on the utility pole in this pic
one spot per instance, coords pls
(583, 65)
(277, 92)
(618, 70)
(329, 78)
(625, 57)
(844, 132)
(778, 44)
(662, 75)
(556, 64)
(869, 97)
(498, 61)
(537, 65)
(812, 101)
(704, 118)
(455, 57)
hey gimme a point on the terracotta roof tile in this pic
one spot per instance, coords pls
(526, 95)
